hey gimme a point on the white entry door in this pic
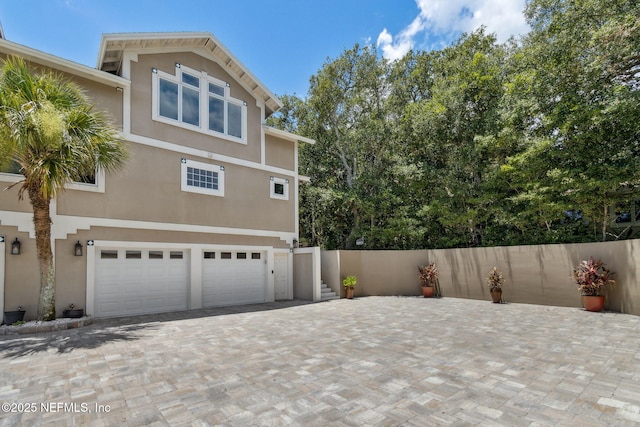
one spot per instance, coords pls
(233, 277)
(140, 281)
(281, 275)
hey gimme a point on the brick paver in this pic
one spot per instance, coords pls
(379, 361)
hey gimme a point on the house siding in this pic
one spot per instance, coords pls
(279, 153)
(152, 193)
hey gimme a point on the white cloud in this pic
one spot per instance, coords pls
(437, 19)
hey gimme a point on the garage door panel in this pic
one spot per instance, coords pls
(134, 283)
(233, 281)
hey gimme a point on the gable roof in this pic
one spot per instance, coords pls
(113, 46)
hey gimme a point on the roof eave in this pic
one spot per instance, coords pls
(287, 135)
(196, 42)
(61, 64)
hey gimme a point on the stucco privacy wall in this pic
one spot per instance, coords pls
(534, 274)
(306, 274)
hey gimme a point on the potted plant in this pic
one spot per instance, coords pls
(591, 277)
(349, 283)
(428, 279)
(495, 280)
(11, 317)
(73, 312)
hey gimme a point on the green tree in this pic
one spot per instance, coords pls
(49, 128)
(452, 125)
(346, 114)
(577, 78)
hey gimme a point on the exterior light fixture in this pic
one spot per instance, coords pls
(15, 247)
(78, 249)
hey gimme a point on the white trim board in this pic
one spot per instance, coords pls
(66, 224)
(195, 152)
(2, 262)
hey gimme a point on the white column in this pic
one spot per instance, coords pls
(2, 254)
(195, 283)
(91, 280)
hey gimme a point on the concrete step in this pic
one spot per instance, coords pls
(326, 293)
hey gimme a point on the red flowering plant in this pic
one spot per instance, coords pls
(591, 276)
(429, 274)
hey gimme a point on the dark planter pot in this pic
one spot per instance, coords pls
(593, 303)
(349, 291)
(427, 291)
(73, 314)
(496, 295)
(11, 317)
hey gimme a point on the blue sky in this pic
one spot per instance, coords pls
(282, 42)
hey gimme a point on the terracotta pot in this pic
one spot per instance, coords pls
(427, 291)
(349, 291)
(496, 295)
(593, 302)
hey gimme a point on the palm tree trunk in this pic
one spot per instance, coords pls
(42, 222)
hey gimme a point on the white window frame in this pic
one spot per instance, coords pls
(205, 79)
(98, 187)
(185, 164)
(272, 185)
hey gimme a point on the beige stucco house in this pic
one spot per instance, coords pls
(204, 214)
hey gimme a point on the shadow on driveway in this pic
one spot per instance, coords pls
(14, 346)
(104, 331)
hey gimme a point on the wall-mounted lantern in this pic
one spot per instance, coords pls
(15, 247)
(78, 249)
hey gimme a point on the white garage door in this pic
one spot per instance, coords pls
(233, 277)
(140, 281)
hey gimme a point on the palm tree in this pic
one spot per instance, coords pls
(49, 128)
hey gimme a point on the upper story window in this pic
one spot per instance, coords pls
(279, 188)
(196, 101)
(202, 178)
(94, 182)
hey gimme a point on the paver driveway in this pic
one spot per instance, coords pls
(381, 361)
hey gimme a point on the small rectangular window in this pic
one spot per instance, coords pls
(216, 114)
(278, 188)
(234, 119)
(209, 255)
(156, 255)
(190, 80)
(190, 106)
(255, 255)
(168, 99)
(175, 255)
(241, 255)
(106, 254)
(216, 89)
(13, 167)
(203, 178)
(225, 255)
(133, 255)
